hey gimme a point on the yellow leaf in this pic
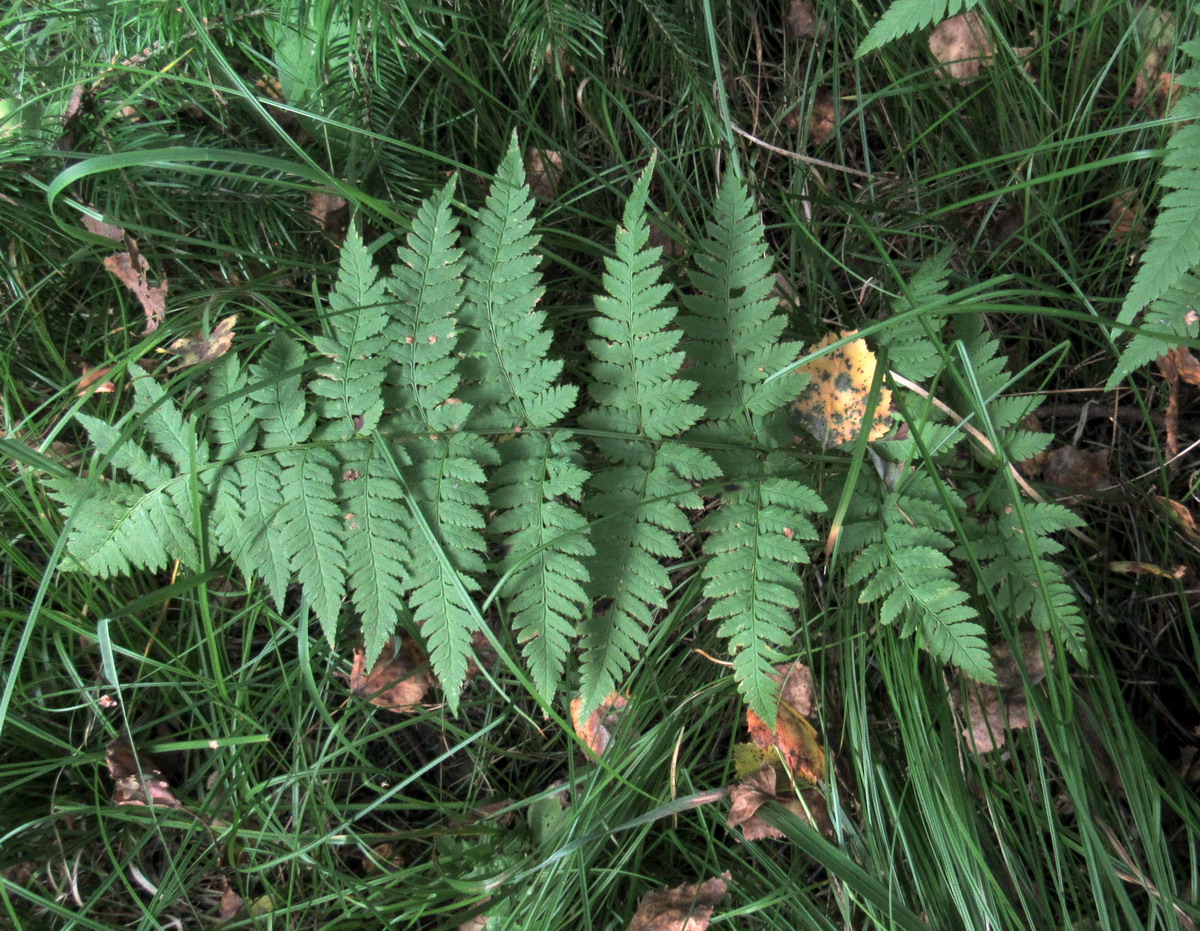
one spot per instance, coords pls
(834, 404)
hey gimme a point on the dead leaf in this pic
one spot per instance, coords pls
(100, 228)
(754, 792)
(1127, 217)
(331, 211)
(231, 903)
(1145, 568)
(1180, 363)
(684, 908)
(196, 348)
(544, 171)
(1180, 514)
(91, 375)
(989, 710)
(794, 738)
(596, 731)
(1156, 30)
(834, 403)
(398, 681)
(795, 686)
(132, 274)
(802, 22)
(1074, 468)
(961, 44)
(823, 120)
(139, 781)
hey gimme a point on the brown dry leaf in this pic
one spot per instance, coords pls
(132, 273)
(758, 789)
(100, 228)
(823, 119)
(989, 709)
(1179, 512)
(795, 686)
(684, 908)
(1127, 216)
(1156, 30)
(196, 348)
(961, 44)
(834, 403)
(795, 739)
(331, 211)
(1145, 568)
(398, 681)
(543, 170)
(231, 903)
(91, 375)
(597, 730)
(139, 781)
(1180, 363)
(801, 22)
(1071, 467)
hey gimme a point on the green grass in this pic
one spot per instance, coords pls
(1083, 821)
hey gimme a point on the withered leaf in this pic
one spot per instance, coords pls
(139, 781)
(961, 44)
(1180, 364)
(684, 908)
(802, 22)
(544, 171)
(398, 681)
(91, 375)
(989, 709)
(1072, 467)
(794, 738)
(596, 731)
(833, 405)
(758, 789)
(795, 686)
(196, 348)
(132, 274)
(100, 228)
(1145, 568)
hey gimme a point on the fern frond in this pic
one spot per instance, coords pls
(426, 283)
(513, 380)
(1166, 322)
(911, 334)
(1015, 549)
(376, 539)
(754, 545)
(352, 379)
(547, 545)
(249, 528)
(732, 322)
(117, 527)
(282, 415)
(640, 403)
(231, 423)
(904, 564)
(905, 16)
(1174, 247)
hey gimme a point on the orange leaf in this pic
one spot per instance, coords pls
(834, 404)
(196, 348)
(795, 740)
(596, 731)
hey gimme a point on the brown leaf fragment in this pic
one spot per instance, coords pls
(802, 22)
(100, 228)
(544, 171)
(990, 709)
(331, 211)
(597, 730)
(196, 348)
(132, 274)
(961, 44)
(91, 375)
(1180, 363)
(758, 789)
(1145, 568)
(794, 738)
(398, 681)
(1127, 216)
(823, 119)
(795, 686)
(684, 908)
(1156, 30)
(139, 781)
(1074, 468)
(231, 903)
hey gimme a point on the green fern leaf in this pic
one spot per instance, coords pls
(732, 322)
(251, 531)
(638, 497)
(547, 543)
(512, 378)
(754, 545)
(376, 542)
(905, 16)
(114, 528)
(231, 422)
(280, 410)
(1167, 322)
(352, 379)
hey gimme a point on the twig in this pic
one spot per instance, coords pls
(807, 159)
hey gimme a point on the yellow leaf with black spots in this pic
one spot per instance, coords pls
(834, 405)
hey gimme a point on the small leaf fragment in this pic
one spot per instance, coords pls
(197, 349)
(139, 781)
(398, 681)
(834, 404)
(596, 731)
(131, 268)
(684, 908)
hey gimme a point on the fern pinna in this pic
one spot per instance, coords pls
(423, 461)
